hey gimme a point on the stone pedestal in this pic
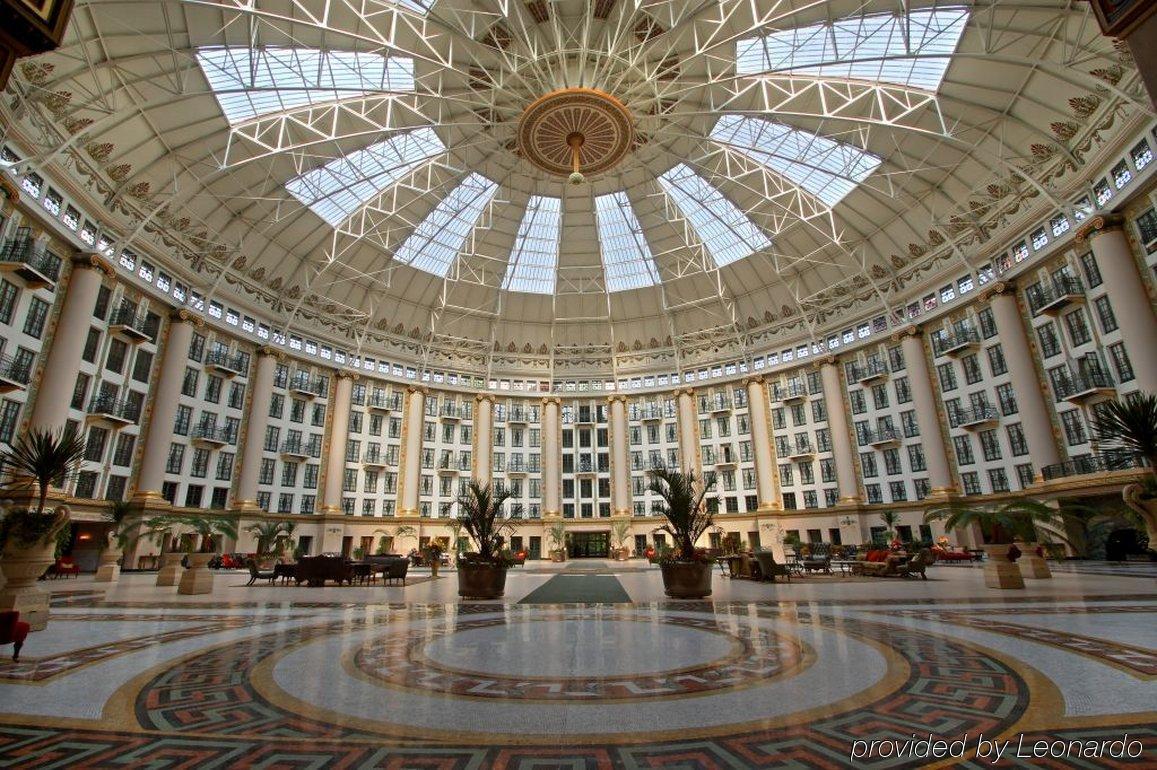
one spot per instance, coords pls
(22, 590)
(1032, 565)
(999, 572)
(109, 570)
(197, 578)
(171, 569)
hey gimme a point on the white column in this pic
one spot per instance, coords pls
(927, 415)
(62, 363)
(843, 453)
(688, 422)
(411, 471)
(766, 462)
(551, 457)
(482, 469)
(261, 388)
(1032, 405)
(1126, 289)
(339, 433)
(620, 457)
(166, 398)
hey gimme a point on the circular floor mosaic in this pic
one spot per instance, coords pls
(574, 657)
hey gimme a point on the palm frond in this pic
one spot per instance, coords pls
(480, 513)
(682, 495)
(1129, 425)
(47, 457)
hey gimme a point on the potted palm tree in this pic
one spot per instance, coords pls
(433, 555)
(557, 534)
(482, 574)
(28, 537)
(161, 530)
(197, 579)
(1002, 528)
(120, 516)
(890, 519)
(686, 571)
(1130, 426)
(272, 539)
(621, 529)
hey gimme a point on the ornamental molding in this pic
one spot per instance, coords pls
(93, 260)
(1102, 223)
(183, 316)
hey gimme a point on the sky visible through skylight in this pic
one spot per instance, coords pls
(825, 168)
(725, 230)
(342, 186)
(249, 82)
(627, 260)
(534, 259)
(881, 47)
(436, 242)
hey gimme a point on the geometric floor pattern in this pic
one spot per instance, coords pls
(652, 684)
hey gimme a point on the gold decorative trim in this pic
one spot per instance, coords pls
(9, 190)
(346, 374)
(1102, 223)
(268, 351)
(996, 289)
(547, 400)
(910, 330)
(182, 315)
(91, 259)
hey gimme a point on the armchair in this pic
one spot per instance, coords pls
(13, 631)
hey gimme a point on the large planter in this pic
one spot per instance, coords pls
(1033, 565)
(686, 579)
(481, 580)
(171, 569)
(1146, 508)
(197, 578)
(558, 555)
(109, 569)
(435, 564)
(622, 554)
(999, 572)
(22, 568)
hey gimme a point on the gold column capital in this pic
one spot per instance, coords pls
(346, 374)
(995, 289)
(616, 397)
(546, 400)
(685, 391)
(909, 330)
(480, 397)
(1102, 223)
(270, 351)
(93, 260)
(9, 190)
(416, 388)
(185, 316)
(757, 379)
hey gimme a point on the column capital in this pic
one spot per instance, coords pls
(616, 397)
(9, 190)
(910, 330)
(754, 379)
(182, 315)
(1102, 223)
(91, 260)
(686, 390)
(994, 289)
(415, 388)
(346, 374)
(480, 397)
(826, 360)
(270, 351)
(551, 400)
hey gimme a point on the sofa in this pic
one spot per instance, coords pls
(769, 567)
(315, 570)
(13, 631)
(392, 566)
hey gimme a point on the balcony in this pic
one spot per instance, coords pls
(115, 412)
(295, 450)
(304, 385)
(452, 465)
(518, 416)
(789, 393)
(381, 402)
(517, 467)
(728, 458)
(585, 468)
(1102, 463)
(38, 270)
(960, 340)
(885, 437)
(226, 364)
(800, 450)
(651, 413)
(715, 405)
(212, 435)
(14, 375)
(1051, 297)
(977, 417)
(869, 371)
(1087, 385)
(452, 412)
(374, 459)
(130, 324)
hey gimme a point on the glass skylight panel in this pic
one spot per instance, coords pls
(534, 259)
(911, 50)
(725, 230)
(342, 186)
(825, 168)
(627, 260)
(258, 81)
(436, 242)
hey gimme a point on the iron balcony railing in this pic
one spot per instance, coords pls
(116, 408)
(24, 251)
(384, 401)
(960, 338)
(223, 359)
(963, 418)
(1078, 385)
(130, 318)
(16, 371)
(210, 432)
(1054, 293)
(790, 391)
(869, 370)
(303, 383)
(881, 436)
(1099, 463)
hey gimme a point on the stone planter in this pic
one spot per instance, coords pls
(686, 579)
(22, 568)
(1146, 508)
(435, 565)
(622, 554)
(480, 580)
(999, 572)
(558, 555)
(109, 569)
(197, 578)
(1032, 565)
(171, 569)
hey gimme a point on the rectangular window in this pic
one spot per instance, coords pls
(963, 447)
(176, 458)
(1050, 345)
(225, 466)
(124, 450)
(9, 414)
(996, 360)
(1121, 363)
(1078, 329)
(1016, 440)
(947, 377)
(8, 296)
(1105, 316)
(37, 315)
(1074, 427)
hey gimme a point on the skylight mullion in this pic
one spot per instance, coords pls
(627, 260)
(726, 232)
(534, 259)
(435, 243)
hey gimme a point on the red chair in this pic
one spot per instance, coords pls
(13, 631)
(64, 566)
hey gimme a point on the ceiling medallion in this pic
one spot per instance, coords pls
(575, 131)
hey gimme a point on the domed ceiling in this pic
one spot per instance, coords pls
(588, 183)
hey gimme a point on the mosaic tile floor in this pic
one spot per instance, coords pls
(319, 679)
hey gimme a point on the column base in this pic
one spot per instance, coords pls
(329, 510)
(854, 500)
(410, 512)
(247, 507)
(552, 514)
(769, 508)
(942, 493)
(621, 513)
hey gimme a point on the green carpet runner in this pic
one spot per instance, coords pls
(579, 589)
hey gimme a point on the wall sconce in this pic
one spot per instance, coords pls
(847, 521)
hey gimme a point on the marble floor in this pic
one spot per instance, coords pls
(822, 672)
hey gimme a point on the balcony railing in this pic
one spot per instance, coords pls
(224, 361)
(793, 390)
(870, 370)
(374, 458)
(1104, 462)
(1054, 295)
(961, 338)
(384, 402)
(518, 415)
(211, 434)
(800, 449)
(114, 410)
(14, 374)
(650, 412)
(715, 404)
(1084, 385)
(38, 268)
(294, 449)
(128, 321)
(969, 418)
(452, 412)
(882, 436)
(303, 383)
